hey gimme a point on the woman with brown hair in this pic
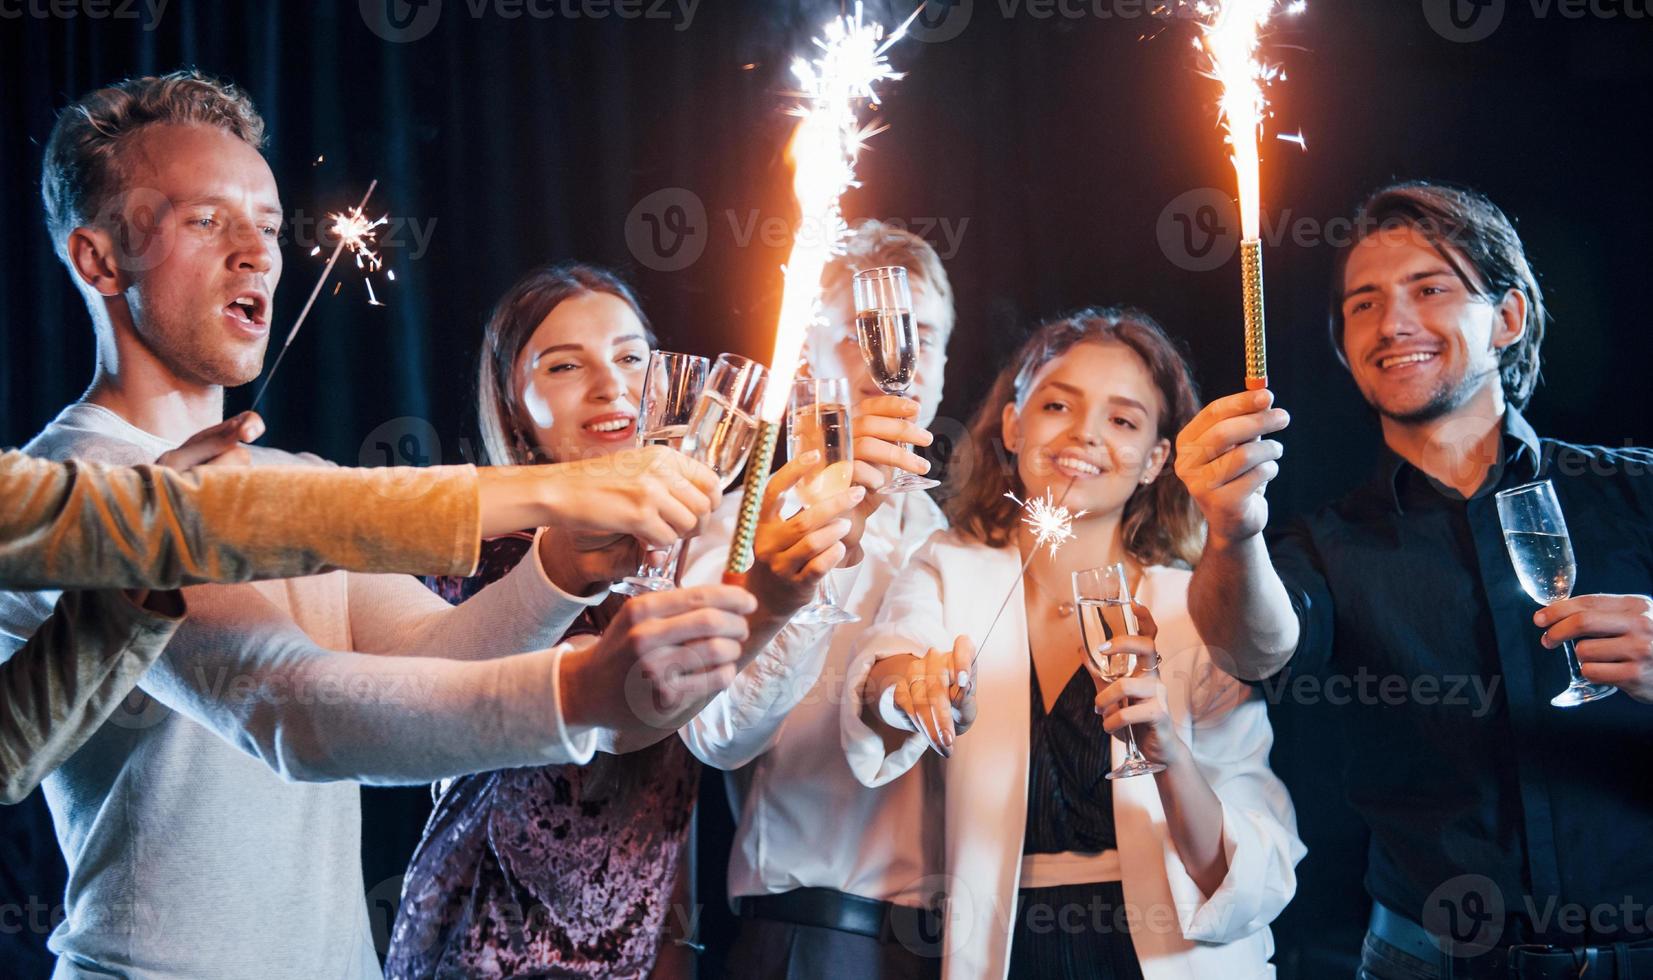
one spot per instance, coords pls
(575, 871)
(1052, 870)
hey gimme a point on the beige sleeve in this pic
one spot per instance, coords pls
(63, 684)
(85, 525)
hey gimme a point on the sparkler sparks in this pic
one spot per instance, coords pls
(356, 233)
(1050, 522)
(1230, 42)
(848, 67)
(1052, 526)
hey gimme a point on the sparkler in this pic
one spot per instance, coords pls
(1231, 41)
(846, 71)
(354, 232)
(1052, 527)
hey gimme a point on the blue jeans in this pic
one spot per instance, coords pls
(1381, 961)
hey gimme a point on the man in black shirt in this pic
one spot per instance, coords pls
(1508, 836)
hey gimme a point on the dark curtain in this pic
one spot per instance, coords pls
(1044, 154)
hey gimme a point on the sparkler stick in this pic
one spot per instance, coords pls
(846, 71)
(1051, 525)
(1231, 43)
(354, 232)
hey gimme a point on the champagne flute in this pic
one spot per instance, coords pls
(1536, 535)
(1104, 600)
(820, 420)
(888, 337)
(671, 386)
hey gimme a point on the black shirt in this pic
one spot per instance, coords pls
(1069, 799)
(1413, 622)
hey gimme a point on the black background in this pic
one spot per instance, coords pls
(1057, 143)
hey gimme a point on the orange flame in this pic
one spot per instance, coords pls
(1231, 42)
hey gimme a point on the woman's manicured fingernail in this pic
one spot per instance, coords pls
(1105, 647)
(964, 679)
(857, 494)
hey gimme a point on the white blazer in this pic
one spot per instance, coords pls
(953, 586)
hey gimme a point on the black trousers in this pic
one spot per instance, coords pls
(767, 950)
(1073, 932)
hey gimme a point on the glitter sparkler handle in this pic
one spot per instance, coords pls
(751, 500)
(1256, 345)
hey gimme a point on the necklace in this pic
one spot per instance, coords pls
(1064, 607)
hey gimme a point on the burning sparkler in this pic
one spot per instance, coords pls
(845, 72)
(1050, 522)
(1052, 526)
(1230, 41)
(356, 233)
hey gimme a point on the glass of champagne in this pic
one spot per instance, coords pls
(819, 420)
(1103, 597)
(1536, 535)
(671, 386)
(888, 337)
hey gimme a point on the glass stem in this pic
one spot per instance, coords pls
(1579, 679)
(1130, 740)
(825, 594)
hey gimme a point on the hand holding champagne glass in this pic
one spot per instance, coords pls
(671, 387)
(1103, 598)
(888, 337)
(819, 421)
(1536, 535)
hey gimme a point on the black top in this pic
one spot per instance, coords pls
(1414, 624)
(1069, 803)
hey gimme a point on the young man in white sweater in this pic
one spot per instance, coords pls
(216, 830)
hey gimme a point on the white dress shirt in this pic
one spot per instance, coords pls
(802, 818)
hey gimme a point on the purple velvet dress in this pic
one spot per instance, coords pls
(556, 871)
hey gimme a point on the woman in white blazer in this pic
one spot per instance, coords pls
(1052, 870)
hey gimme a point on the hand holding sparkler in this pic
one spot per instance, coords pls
(935, 694)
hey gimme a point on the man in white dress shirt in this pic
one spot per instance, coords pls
(831, 878)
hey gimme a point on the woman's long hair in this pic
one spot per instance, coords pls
(515, 318)
(1161, 524)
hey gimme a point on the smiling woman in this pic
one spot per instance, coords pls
(562, 367)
